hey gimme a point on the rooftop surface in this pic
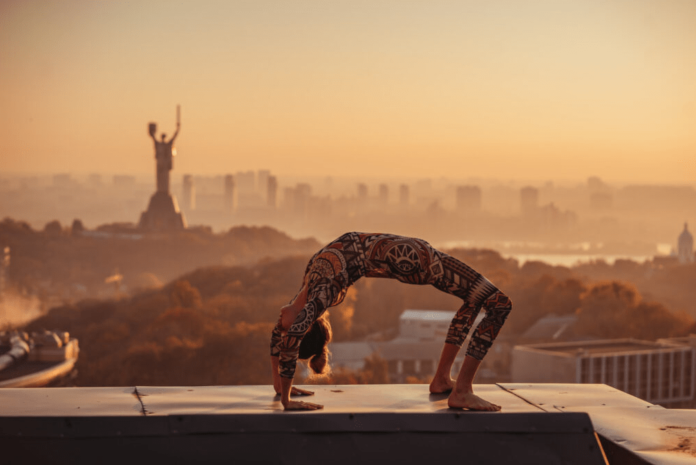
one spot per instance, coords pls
(427, 315)
(608, 347)
(536, 419)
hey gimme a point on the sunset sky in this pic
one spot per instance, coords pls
(505, 89)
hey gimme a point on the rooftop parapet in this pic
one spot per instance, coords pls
(547, 424)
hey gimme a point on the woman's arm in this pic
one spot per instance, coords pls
(278, 338)
(276, 377)
(277, 384)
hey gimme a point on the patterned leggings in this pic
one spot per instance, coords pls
(477, 293)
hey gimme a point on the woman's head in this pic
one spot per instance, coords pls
(314, 346)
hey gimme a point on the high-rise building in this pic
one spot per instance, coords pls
(262, 181)
(296, 200)
(289, 199)
(468, 199)
(383, 195)
(529, 200)
(404, 195)
(189, 200)
(272, 192)
(245, 182)
(229, 193)
(362, 192)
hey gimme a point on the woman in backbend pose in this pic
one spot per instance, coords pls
(302, 333)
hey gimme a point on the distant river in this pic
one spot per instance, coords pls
(569, 260)
(559, 259)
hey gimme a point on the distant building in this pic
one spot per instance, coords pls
(424, 325)
(246, 181)
(245, 187)
(297, 200)
(685, 246)
(351, 355)
(552, 216)
(303, 192)
(262, 180)
(404, 196)
(63, 180)
(228, 194)
(94, 180)
(549, 328)
(272, 192)
(601, 200)
(289, 199)
(529, 200)
(657, 372)
(383, 195)
(689, 340)
(411, 358)
(468, 199)
(414, 352)
(189, 200)
(362, 192)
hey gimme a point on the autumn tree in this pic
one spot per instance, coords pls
(614, 309)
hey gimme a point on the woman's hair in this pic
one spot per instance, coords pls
(314, 345)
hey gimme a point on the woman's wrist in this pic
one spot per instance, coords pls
(286, 387)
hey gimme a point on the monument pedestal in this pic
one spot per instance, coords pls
(162, 213)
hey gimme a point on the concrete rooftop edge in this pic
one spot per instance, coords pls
(658, 435)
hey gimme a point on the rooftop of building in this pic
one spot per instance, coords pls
(427, 315)
(213, 422)
(550, 327)
(689, 340)
(599, 347)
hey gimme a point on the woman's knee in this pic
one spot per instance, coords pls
(499, 300)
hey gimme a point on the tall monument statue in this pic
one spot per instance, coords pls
(163, 211)
(164, 153)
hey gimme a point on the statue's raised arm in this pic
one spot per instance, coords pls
(178, 123)
(176, 133)
(152, 130)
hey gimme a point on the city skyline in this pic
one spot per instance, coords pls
(538, 90)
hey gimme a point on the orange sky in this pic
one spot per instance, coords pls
(507, 89)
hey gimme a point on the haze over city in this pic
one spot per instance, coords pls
(538, 90)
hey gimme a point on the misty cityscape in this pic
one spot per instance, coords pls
(588, 218)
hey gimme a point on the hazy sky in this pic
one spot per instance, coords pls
(534, 89)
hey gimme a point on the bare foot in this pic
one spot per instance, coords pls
(471, 401)
(441, 385)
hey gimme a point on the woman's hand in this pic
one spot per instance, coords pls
(287, 389)
(300, 392)
(300, 405)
